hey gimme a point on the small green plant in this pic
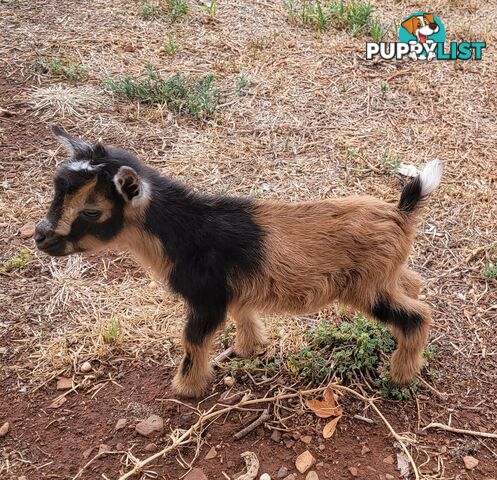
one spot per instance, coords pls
(489, 272)
(172, 9)
(270, 367)
(384, 89)
(241, 83)
(351, 15)
(210, 7)
(391, 162)
(16, 262)
(59, 67)
(111, 332)
(390, 390)
(196, 95)
(171, 45)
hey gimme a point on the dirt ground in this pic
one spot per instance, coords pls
(315, 120)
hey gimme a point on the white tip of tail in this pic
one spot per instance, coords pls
(430, 176)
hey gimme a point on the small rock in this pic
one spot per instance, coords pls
(121, 423)
(27, 230)
(119, 446)
(365, 450)
(389, 477)
(289, 443)
(103, 449)
(229, 381)
(388, 460)
(86, 367)
(304, 461)
(282, 472)
(353, 471)
(321, 447)
(307, 439)
(295, 435)
(265, 476)
(151, 426)
(87, 452)
(276, 436)
(4, 429)
(469, 462)
(212, 453)
(195, 474)
(64, 383)
(150, 447)
(312, 475)
(290, 477)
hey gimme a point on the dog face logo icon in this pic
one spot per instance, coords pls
(422, 28)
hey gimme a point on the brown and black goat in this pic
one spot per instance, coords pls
(242, 256)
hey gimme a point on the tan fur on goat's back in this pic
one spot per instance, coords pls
(348, 249)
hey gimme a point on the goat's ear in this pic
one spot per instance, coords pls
(75, 146)
(130, 186)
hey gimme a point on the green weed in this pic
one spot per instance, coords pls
(171, 45)
(211, 8)
(351, 15)
(172, 9)
(241, 83)
(16, 262)
(391, 162)
(196, 95)
(111, 332)
(489, 272)
(59, 67)
(270, 367)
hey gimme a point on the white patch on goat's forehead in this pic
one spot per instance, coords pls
(79, 165)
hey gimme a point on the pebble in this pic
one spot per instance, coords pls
(229, 381)
(151, 426)
(365, 450)
(469, 462)
(103, 448)
(195, 474)
(289, 443)
(64, 383)
(307, 439)
(87, 452)
(276, 436)
(4, 429)
(388, 476)
(282, 472)
(121, 423)
(27, 230)
(388, 460)
(353, 471)
(86, 367)
(150, 447)
(290, 477)
(304, 461)
(265, 476)
(212, 453)
(312, 475)
(119, 446)
(321, 447)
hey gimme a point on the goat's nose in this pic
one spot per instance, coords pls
(44, 231)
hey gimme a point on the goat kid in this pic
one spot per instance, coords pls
(242, 256)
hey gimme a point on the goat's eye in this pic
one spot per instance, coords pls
(91, 214)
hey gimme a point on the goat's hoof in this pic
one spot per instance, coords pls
(184, 387)
(247, 350)
(403, 370)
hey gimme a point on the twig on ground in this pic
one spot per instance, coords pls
(252, 426)
(100, 454)
(364, 419)
(223, 356)
(439, 394)
(441, 426)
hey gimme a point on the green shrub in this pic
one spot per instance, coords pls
(195, 95)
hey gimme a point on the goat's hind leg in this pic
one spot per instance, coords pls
(250, 333)
(409, 320)
(410, 282)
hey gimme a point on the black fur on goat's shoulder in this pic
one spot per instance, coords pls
(207, 239)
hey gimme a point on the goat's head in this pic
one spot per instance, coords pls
(97, 191)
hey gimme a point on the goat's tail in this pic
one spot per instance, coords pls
(417, 190)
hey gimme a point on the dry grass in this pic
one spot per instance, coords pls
(314, 121)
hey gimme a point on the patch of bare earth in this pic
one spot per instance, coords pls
(313, 122)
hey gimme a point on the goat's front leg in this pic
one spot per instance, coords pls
(195, 371)
(250, 333)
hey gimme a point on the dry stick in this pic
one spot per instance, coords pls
(264, 417)
(441, 426)
(223, 356)
(185, 437)
(101, 454)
